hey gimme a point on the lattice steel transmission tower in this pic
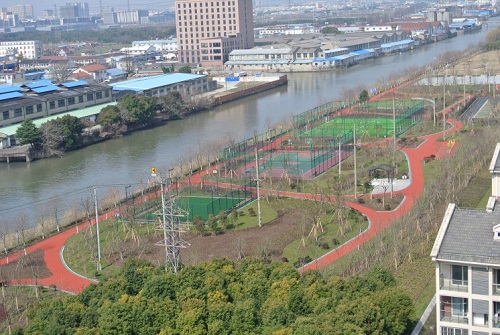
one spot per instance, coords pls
(171, 225)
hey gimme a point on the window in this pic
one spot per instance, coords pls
(98, 95)
(52, 105)
(453, 331)
(29, 110)
(459, 275)
(39, 108)
(18, 112)
(90, 97)
(459, 307)
(71, 101)
(61, 103)
(80, 99)
(5, 115)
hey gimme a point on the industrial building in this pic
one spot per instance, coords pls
(157, 86)
(207, 31)
(43, 98)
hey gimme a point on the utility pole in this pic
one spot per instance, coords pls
(340, 158)
(444, 102)
(355, 170)
(394, 120)
(99, 266)
(258, 186)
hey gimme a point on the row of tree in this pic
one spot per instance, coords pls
(59, 135)
(223, 297)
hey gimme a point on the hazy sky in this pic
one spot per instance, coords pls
(40, 5)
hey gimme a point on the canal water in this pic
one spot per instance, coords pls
(35, 187)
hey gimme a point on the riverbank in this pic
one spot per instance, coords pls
(240, 88)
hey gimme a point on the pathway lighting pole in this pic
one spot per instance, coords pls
(99, 266)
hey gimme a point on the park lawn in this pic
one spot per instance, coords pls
(80, 252)
(268, 214)
(325, 241)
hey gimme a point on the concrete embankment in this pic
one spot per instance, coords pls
(255, 85)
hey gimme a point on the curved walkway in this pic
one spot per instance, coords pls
(64, 279)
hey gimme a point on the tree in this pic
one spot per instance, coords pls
(363, 96)
(108, 116)
(60, 72)
(28, 133)
(61, 134)
(185, 69)
(139, 108)
(329, 30)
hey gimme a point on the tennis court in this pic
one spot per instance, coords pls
(306, 163)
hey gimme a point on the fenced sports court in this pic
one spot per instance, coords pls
(204, 205)
(318, 140)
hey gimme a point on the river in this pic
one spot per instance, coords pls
(30, 187)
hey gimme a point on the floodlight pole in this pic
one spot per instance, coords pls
(258, 186)
(99, 266)
(394, 119)
(355, 171)
(340, 159)
(163, 214)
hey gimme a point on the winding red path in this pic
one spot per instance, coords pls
(64, 279)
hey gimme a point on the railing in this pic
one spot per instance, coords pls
(447, 317)
(455, 285)
(496, 289)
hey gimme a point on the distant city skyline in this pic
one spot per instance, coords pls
(40, 6)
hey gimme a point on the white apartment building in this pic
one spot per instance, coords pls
(169, 45)
(208, 30)
(467, 259)
(26, 49)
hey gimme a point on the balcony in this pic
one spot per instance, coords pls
(455, 285)
(447, 317)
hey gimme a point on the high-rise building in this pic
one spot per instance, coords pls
(208, 30)
(22, 11)
(74, 10)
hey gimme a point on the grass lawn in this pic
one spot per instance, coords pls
(316, 243)
(246, 220)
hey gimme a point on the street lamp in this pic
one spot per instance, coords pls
(126, 192)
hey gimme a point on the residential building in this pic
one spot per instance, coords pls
(74, 10)
(25, 49)
(130, 16)
(93, 72)
(467, 260)
(207, 30)
(22, 11)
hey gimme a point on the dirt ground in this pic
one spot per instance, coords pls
(28, 266)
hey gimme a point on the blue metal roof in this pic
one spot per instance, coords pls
(115, 72)
(148, 83)
(45, 89)
(10, 88)
(34, 75)
(361, 52)
(10, 95)
(40, 83)
(70, 84)
(403, 42)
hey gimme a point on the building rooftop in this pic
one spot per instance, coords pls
(148, 83)
(466, 235)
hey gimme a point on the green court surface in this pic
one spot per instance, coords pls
(385, 106)
(192, 206)
(365, 126)
(296, 163)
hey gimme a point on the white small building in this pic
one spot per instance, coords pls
(169, 45)
(139, 50)
(24, 49)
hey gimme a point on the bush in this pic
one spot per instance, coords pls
(302, 261)
(379, 201)
(387, 207)
(324, 245)
(361, 201)
(335, 241)
(230, 226)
